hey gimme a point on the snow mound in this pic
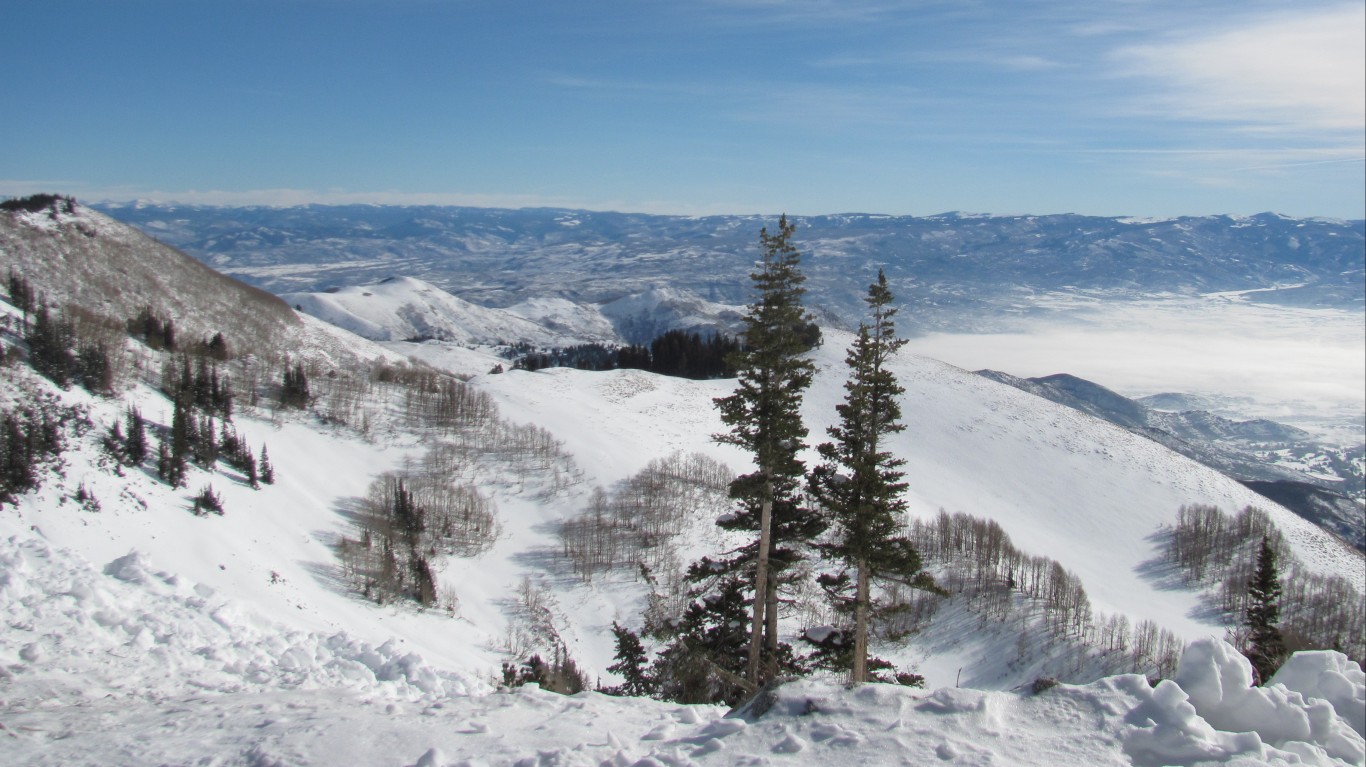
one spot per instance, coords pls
(1329, 676)
(1211, 710)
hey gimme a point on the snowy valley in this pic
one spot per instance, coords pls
(136, 630)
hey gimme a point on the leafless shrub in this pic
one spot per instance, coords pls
(634, 525)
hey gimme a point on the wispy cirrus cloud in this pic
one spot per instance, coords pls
(986, 59)
(1300, 73)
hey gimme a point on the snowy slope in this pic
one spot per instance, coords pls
(1062, 483)
(259, 657)
(129, 665)
(404, 308)
(142, 633)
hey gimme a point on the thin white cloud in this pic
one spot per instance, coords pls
(285, 198)
(1217, 168)
(1011, 62)
(1302, 73)
(805, 11)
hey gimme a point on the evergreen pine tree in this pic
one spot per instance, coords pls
(182, 442)
(114, 443)
(859, 484)
(94, 369)
(135, 441)
(208, 502)
(294, 390)
(21, 295)
(1266, 647)
(631, 663)
(267, 472)
(164, 472)
(708, 656)
(16, 460)
(217, 347)
(409, 518)
(424, 582)
(765, 419)
(50, 347)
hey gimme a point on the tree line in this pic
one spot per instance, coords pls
(679, 353)
(75, 346)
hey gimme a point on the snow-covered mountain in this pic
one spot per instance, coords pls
(952, 272)
(239, 637)
(408, 309)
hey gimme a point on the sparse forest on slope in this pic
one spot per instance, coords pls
(75, 256)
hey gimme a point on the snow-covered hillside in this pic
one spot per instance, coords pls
(231, 637)
(1061, 483)
(130, 665)
(404, 308)
(135, 631)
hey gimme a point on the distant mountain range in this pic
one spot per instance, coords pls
(951, 271)
(555, 277)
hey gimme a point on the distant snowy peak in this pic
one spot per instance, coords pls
(407, 309)
(560, 315)
(640, 317)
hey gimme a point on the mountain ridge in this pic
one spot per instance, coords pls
(951, 272)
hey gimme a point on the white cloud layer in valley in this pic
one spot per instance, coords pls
(1306, 367)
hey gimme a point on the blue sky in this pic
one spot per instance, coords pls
(1132, 107)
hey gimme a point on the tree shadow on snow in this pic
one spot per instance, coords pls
(330, 574)
(549, 560)
(1161, 574)
(1165, 575)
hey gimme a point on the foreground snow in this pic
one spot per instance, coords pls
(124, 664)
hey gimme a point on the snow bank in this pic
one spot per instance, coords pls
(129, 630)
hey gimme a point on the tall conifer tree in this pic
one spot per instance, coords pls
(1266, 647)
(764, 416)
(859, 484)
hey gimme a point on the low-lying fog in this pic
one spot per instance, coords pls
(1305, 367)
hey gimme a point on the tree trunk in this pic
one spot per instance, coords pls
(860, 670)
(756, 631)
(771, 627)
